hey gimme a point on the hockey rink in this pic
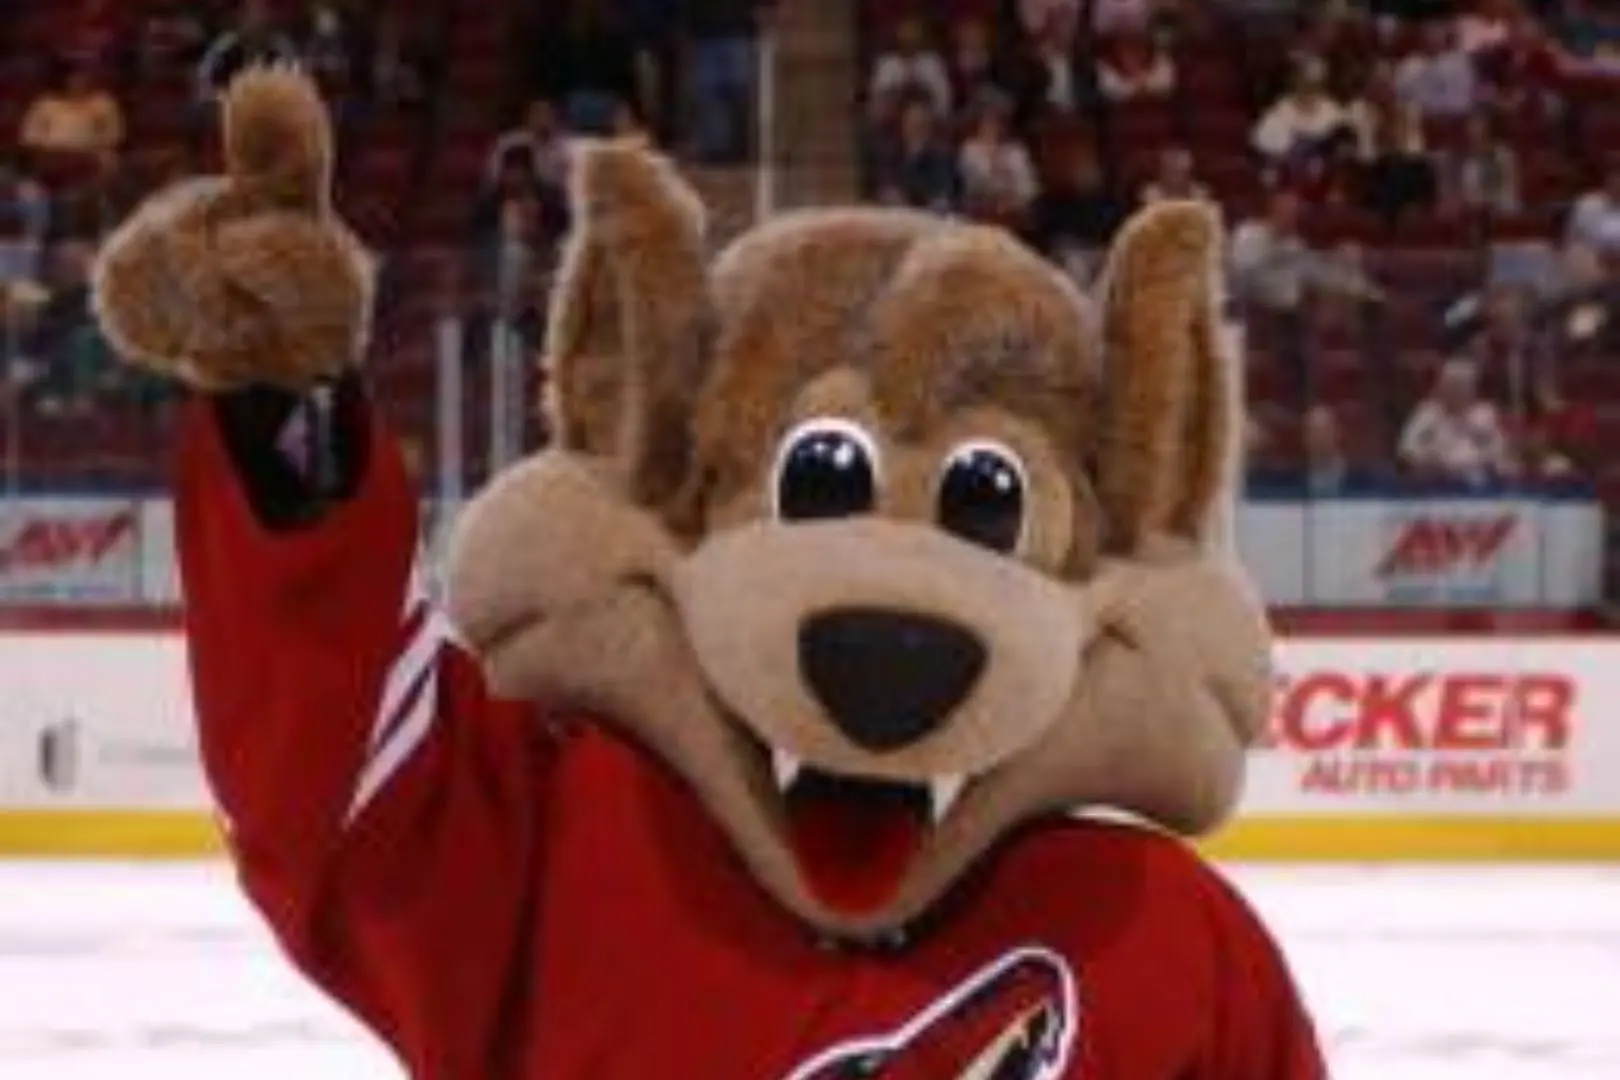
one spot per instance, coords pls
(109, 972)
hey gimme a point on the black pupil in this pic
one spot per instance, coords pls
(981, 498)
(825, 474)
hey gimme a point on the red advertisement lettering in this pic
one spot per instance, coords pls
(45, 543)
(1324, 711)
(1436, 546)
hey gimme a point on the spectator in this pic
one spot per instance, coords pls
(24, 197)
(1300, 123)
(1333, 175)
(724, 33)
(1328, 470)
(80, 119)
(1276, 277)
(1175, 178)
(1487, 27)
(1051, 79)
(253, 40)
(1110, 17)
(544, 213)
(71, 361)
(1481, 176)
(516, 253)
(973, 64)
(918, 167)
(1560, 435)
(1400, 177)
(1439, 78)
(1034, 16)
(1133, 67)
(998, 177)
(1074, 219)
(1595, 219)
(1454, 436)
(1336, 36)
(1527, 71)
(541, 142)
(19, 250)
(913, 66)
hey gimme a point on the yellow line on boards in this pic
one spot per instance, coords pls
(186, 834)
(1410, 839)
(153, 834)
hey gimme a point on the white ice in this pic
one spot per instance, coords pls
(109, 972)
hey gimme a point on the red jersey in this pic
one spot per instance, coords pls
(500, 901)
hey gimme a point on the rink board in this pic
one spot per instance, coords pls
(1423, 748)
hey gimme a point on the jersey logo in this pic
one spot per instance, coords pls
(1016, 1018)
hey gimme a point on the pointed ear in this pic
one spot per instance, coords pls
(631, 313)
(1171, 419)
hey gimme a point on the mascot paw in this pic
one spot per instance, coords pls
(248, 277)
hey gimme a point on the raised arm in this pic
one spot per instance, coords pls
(379, 805)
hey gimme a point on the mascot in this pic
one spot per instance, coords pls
(750, 741)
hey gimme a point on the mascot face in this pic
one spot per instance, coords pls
(880, 533)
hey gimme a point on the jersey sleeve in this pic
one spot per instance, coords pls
(379, 805)
(1262, 1029)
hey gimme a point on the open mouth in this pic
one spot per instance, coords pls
(854, 838)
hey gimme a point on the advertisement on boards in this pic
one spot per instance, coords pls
(1426, 552)
(70, 550)
(1488, 726)
(96, 722)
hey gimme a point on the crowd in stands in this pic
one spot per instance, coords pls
(1423, 197)
(1345, 142)
(122, 99)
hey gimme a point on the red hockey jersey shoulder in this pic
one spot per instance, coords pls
(1147, 921)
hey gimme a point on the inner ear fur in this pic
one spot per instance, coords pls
(1171, 403)
(631, 313)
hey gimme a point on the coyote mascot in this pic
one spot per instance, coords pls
(756, 737)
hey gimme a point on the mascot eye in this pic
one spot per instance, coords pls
(826, 468)
(981, 495)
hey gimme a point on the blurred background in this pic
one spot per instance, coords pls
(1423, 202)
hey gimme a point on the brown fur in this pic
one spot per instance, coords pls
(248, 276)
(635, 571)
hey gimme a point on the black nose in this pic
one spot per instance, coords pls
(887, 678)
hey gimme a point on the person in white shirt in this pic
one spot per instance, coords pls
(1594, 222)
(998, 175)
(1487, 27)
(1439, 79)
(1133, 67)
(1301, 119)
(1454, 435)
(912, 65)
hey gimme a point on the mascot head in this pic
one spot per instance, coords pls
(878, 531)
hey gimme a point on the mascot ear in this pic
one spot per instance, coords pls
(1172, 396)
(630, 320)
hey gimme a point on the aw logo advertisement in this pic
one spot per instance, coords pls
(1451, 552)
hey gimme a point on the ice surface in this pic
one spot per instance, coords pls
(109, 972)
